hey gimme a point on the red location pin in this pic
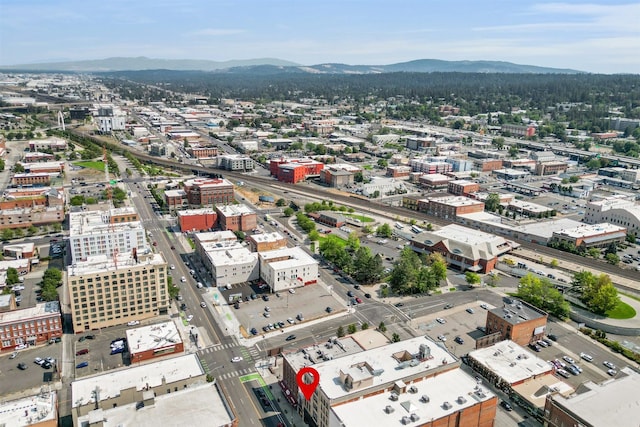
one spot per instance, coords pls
(308, 389)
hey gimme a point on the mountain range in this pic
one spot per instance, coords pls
(273, 65)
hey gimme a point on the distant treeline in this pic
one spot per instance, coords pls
(474, 92)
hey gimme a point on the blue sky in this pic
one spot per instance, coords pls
(601, 36)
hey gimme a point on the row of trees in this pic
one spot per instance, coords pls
(352, 258)
(10, 233)
(51, 280)
(414, 275)
(596, 291)
(540, 292)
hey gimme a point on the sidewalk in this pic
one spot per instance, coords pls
(289, 413)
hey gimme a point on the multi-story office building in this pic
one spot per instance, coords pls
(236, 217)
(618, 210)
(519, 322)
(111, 290)
(452, 206)
(116, 230)
(31, 326)
(236, 162)
(266, 242)
(591, 235)
(208, 191)
(288, 268)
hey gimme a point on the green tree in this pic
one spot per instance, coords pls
(395, 337)
(18, 168)
(554, 263)
(281, 202)
(353, 241)
(364, 326)
(171, 288)
(49, 293)
(32, 230)
(77, 200)
(7, 234)
(542, 294)
(384, 230)
(382, 327)
(288, 211)
(340, 332)
(594, 252)
(612, 259)
(598, 292)
(240, 235)
(472, 278)
(53, 275)
(352, 328)
(438, 266)
(492, 202)
(314, 236)
(383, 163)
(2, 164)
(493, 279)
(12, 276)
(574, 178)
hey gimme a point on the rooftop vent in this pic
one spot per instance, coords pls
(446, 406)
(413, 389)
(424, 398)
(414, 417)
(406, 420)
(393, 397)
(461, 400)
(389, 409)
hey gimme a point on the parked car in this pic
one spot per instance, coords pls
(442, 338)
(254, 331)
(292, 291)
(82, 365)
(563, 373)
(13, 355)
(38, 361)
(203, 304)
(350, 294)
(609, 365)
(133, 322)
(367, 295)
(568, 360)
(506, 406)
(586, 357)
(470, 310)
(190, 318)
(290, 338)
(328, 309)
(81, 352)
(612, 372)
(448, 306)
(441, 320)
(459, 340)
(22, 366)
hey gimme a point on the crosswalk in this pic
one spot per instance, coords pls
(237, 373)
(250, 353)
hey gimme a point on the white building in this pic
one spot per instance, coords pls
(37, 410)
(287, 268)
(246, 146)
(230, 262)
(94, 233)
(110, 118)
(618, 210)
(235, 162)
(385, 186)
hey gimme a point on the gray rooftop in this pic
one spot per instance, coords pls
(517, 312)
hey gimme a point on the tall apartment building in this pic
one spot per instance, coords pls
(209, 191)
(236, 162)
(108, 291)
(116, 230)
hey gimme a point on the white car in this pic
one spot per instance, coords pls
(183, 279)
(17, 288)
(292, 291)
(612, 372)
(203, 304)
(237, 359)
(173, 267)
(441, 320)
(485, 306)
(568, 360)
(442, 338)
(609, 365)
(133, 322)
(190, 318)
(21, 346)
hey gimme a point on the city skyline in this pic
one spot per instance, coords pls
(595, 36)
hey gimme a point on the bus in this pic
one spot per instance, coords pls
(398, 225)
(416, 229)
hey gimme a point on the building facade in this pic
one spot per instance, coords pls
(108, 291)
(462, 187)
(207, 191)
(236, 218)
(30, 326)
(519, 322)
(287, 268)
(197, 219)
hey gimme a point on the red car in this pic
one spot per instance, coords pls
(155, 243)
(358, 300)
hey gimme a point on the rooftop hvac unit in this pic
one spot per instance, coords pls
(461, 400)
(393, 397)
(446, 406)
(424, 398)
(425, 351)
(406, 420)
(414, 417)
(389, 409)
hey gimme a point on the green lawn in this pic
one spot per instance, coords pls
(367, 167)
(621, 311)
(338, 239)
(91, 165)
(362, 218)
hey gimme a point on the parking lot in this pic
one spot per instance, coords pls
(99, 357)
(14, 379)
(310, 301)
(458, 322)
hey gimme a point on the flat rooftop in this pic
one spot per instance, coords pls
(536, 390)
(435, 177)
(463, 234)
(510, 361)
(529, 206)
(518, 312)
(175, 193)
(385, 368)
(456, 201)
(455, 386)
(103, 263)
(544, 229)
(612, 403)
(41, 309)
(293, 256)
(266, 237)
(235, 210)
(199, 404)
(328, 350)
(97, 222)
(112, 383)
(29, 410)
(153, 337)
(216, 236)
(238, 255)
(192, 212)
(588, 230)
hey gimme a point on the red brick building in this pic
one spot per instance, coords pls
(519, 322)
(462, 187)
(150, 342)
(209, 191)
(398, 171)
(36, 179)
(30, 326)
(236, 218)
(197, 219)
(294, 170)
(203, 152)
(175, 199)
(451, 207)
(488, 165)
(266, 242)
